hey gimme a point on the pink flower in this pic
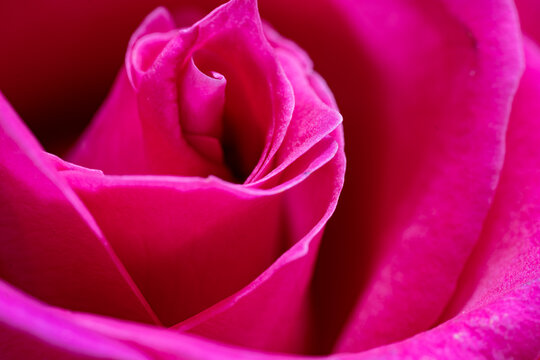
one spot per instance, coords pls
(187, 221)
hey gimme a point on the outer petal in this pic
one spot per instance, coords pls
(443, 157)
(495, 311)
(508, 253)
(50, 245)
(506, 328)
(33, 330)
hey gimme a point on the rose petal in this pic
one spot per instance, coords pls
(166, 148)
(140, 58)
(201, 103)
(31, 330)
(50, 245)
(113, 143)
(445, 151)
(507, 255)
(506, 328)
(315, 113)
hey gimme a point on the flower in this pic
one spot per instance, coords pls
(432, 251)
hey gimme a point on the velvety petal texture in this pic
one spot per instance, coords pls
(495, 310)
(506, 328)
(507, 256)
(194, 218)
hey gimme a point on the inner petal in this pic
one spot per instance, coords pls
(201, 100)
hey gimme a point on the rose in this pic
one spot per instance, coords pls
(419, 221)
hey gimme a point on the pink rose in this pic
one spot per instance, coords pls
(187, 221)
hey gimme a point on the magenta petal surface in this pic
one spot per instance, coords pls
(443, 144)
(506, 328)
(495, 310)
(507, 255)
(50, 246)
(315, 112)
(30, 329)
